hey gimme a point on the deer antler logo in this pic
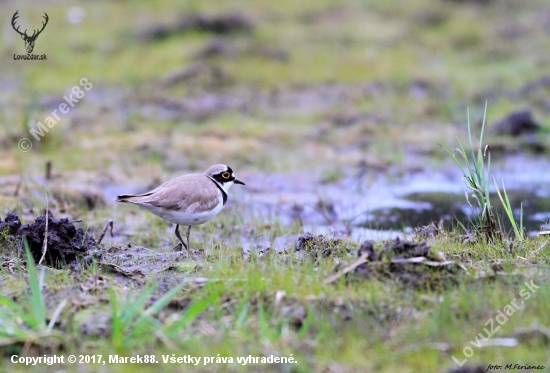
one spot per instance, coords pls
(29, 40)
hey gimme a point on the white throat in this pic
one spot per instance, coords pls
(225, 186)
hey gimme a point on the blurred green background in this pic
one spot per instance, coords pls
(270, 86)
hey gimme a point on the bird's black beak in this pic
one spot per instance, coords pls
(237, 181)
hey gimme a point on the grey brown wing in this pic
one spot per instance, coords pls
(196, 192)
(140, 198)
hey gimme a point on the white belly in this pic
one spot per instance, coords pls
(185, 217)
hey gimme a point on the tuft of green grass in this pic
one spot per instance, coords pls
(131, 320)
(476, 176)
(517, 227)
(25, 321)
(475, 168)
(274, 305)
(208, 297)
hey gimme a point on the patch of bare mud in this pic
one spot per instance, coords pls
(406, 262)
(337, 102)
(136, 261)
(302, 246)
(217, 24)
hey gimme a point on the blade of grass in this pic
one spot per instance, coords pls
(509, 211)
(133, 308)
(197, 306)
(37, 300)
(159, 304)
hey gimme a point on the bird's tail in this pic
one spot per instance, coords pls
(126, 198)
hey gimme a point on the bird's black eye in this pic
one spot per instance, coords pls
(226, 175)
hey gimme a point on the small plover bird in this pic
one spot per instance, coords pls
(189, 199)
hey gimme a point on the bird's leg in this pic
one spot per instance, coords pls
(188, 245)
(177, 231)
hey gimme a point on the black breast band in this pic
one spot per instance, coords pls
(224, 195)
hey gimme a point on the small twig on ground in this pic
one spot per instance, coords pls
(423, 260)
(107, 225)
(18, 187)
(297, 210)
(56, 313)
(45, 245)
(362, 259)
(542, 246)
(48, 170)
(178, 247)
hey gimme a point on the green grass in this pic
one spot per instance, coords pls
(476, 173)
(476, 170)
(279, 305)
(25, 322)
(505, 200)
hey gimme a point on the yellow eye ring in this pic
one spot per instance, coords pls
(226, 175)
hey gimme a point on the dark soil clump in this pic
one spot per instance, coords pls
(431, 230)
(367, 248)
(317, 244)
(218, 24)
(65, 241)
(409, 263)
(406, 249)
(517, 123)
(11, 225)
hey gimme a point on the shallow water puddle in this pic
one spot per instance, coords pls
(381, 208)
